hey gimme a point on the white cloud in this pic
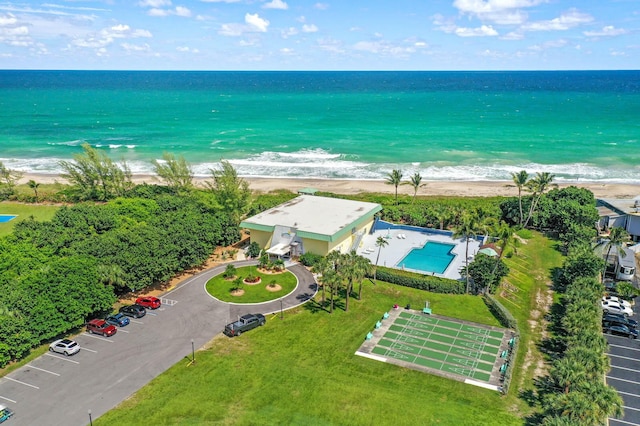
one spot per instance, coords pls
(220, 1)
(276, 4)
(187, 49)
(154, 3)
(385, 48)
(286, 51)
(135, 47)
(253, 23)
(321, 6)
(331, 45)
(482, 31)
(8, 19)
(256, 22)
(565, 21)
(107, 36)
(608, 31)
(552, 44)
(177, 11)
(309, 28)
(504, 12)
(291, 31)
(618, 53)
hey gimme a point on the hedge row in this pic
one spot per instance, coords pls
(419, 281)
(500, 312)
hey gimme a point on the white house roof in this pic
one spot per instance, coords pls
(309, 214)
(624, 205)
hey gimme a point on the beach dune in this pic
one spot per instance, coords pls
(432, 188)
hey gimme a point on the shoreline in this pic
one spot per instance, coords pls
(350, 187)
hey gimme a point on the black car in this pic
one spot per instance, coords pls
(621, 330)
(631, 323)
(134, 311)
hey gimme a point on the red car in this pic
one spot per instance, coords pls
(148, 302)
(100, 326)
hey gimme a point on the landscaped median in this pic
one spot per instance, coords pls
(264, 287)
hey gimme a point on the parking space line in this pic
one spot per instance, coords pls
(630, 394)
(22, 383)
(151, 313)
(137, 322)
(122, 331)
(630, 408)
(622, 421)
(624, 347)
(625, 368)
(7, 399)
(63, 359)
(89, 350)
(622, 380)
(623, 357)
(97, 337)
(42, 369)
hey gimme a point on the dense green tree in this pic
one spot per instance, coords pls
(355, 269)
(8, 179)
(253, 250)
(617, 237)
(34, 185)
(174, 171)
(538, 186)
(466, 229)
(231, 191)
(394, 178)
(486, 272)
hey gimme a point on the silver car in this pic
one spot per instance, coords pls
(65, 346)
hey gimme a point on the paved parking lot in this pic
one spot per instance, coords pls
(58, 390)
(624, 354)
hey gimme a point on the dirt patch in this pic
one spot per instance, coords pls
(538, 325)
(275, 288)
(237, 293)
(270, 271)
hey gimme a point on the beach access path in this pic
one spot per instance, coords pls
(58, 390)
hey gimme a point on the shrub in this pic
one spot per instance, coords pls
(525, 234)
(230, 272)
(310, 259)
(420, 281)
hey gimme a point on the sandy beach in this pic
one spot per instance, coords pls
(438, 188)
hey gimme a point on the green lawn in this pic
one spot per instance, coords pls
(302, 370)
(220, 288)
(40, 212)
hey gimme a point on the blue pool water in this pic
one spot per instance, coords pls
(432, 257)
(6, 217)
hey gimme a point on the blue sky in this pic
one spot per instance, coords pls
(320, 35)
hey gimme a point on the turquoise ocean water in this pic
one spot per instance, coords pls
(579, 125)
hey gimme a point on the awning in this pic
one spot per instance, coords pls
(279, 249)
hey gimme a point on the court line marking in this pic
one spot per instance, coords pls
(41, 369)
(22, 383)
(7, 399)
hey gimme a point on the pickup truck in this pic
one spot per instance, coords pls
(244, 323)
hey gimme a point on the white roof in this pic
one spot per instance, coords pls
(279, 249)
(314, 214)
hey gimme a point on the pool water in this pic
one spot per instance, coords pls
(432, 257)
(6, 217)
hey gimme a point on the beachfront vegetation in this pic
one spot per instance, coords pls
(394, 177)
(175, 172)
(302, 370)
(94, 176)
(8, 179)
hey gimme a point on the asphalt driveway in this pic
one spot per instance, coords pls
(58, 390)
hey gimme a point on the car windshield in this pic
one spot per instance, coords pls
(72, 345)
(67, 341)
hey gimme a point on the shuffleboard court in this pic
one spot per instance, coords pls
(456, 349)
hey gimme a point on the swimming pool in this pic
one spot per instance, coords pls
(432, 257)
(6, 217)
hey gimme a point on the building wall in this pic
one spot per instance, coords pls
(315, 246)
(633, 227)
(261, 237)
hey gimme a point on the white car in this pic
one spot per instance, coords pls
(617, 300)
(65, 346)
(615, 308)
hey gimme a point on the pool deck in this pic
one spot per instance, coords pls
(398, 248)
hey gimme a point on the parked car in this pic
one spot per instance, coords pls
(5, 413)
(630, 322)
(244, 323)
(621, 330)
(148, 302)
(615, 308)
(100, 326)
(65, 346)
(134, 311)
(118, 319)
(618, 300)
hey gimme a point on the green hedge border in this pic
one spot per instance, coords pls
(420, 281)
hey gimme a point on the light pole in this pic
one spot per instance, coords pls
(193, 352)
(281, 311)
(90, 419)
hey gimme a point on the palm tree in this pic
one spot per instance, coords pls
(617, 237)
(416, 183)
(443, 214)
(34, 185)
(359, 268)
(467, 228)
(538, 186)
(394, 178)
(567, 372)
(505, 238)
(112, 275)
(380, 242)
(520, 179)
(331, 276)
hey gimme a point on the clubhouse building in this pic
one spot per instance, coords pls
(312, 224)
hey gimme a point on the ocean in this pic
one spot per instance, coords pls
(582, 126)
